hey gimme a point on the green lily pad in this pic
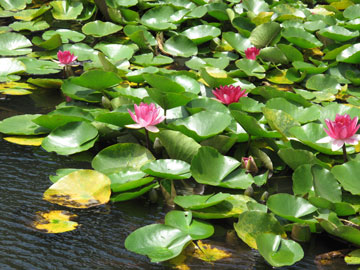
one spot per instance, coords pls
(63, 116)
(201, 33)
(100, 28)
(353, 257)
(346, 174)
(22, 125)
(9, 66)
(290, 207)
(334, 226)
(194, 202)
(338, 33)
(78, 92)
(237, 41)
(14, 44)
(278, 251)
(230, 207)
(97, 79)
(64, 10)
(168, 168)
(178, 145)
(253, 223)
(180, 46)
(210, 167)
(30, 26)
(71, 138)
(159, 18)
(301, 38)
(65, 34)
(132, 194)
(157, 241)
(350, 55)
(202, 125)
(121, 156)
(297, 157)
(39, 67)
(195, 228)
(264, 34)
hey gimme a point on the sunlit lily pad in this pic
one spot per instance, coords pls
(194, 202)
(22, 125)
(121, 156)
(278, 251)
(71, 138)
(251, 224)
(201, 33)
(168, 168)
(80, 189)
(63, 10)
(230, 207)
(14, 44)
(100, 28)
(56, 221)
(25, 140)
(9, 66)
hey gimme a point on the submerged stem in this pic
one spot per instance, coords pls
(147, 139)
(344, 153)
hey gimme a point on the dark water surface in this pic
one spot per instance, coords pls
(99, 242)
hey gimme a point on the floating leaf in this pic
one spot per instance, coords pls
(251, 224)
(178, 145)
(71, 138)
(168, 168)
(347, 174)
(25, 140)
(14, 44)
(180, 46)
(22, 125)
(202, 125)
(277, 251)
(56, 221)
(80, 189)
(201, 33)
(194, 202)
(100, 28)
(64, 10)
(120, 157)
(210, 167)
(207, 253)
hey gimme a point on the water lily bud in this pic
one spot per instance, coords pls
(248, 163)
(249, 191)
(153, 196)
(264, 196)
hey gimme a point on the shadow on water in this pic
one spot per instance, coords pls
(99, 241)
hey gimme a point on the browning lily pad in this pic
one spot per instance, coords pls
(57, 221)
(80, 189)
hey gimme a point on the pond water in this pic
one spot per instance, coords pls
(99, 241)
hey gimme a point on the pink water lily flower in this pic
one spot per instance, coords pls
(341, 131)
(146, 116)
(229, 94)
(66, 58)
(251, 53)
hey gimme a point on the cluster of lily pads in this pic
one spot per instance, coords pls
(176, 71)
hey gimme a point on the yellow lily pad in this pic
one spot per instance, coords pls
(15, 92)
(206, 252)
(16, 88)
(25, 140)
(80, 189)
(57, 221)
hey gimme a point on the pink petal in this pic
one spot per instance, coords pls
(133, 116)
(152, 129)
(326, 139)
(133, 126)
(336, 144)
